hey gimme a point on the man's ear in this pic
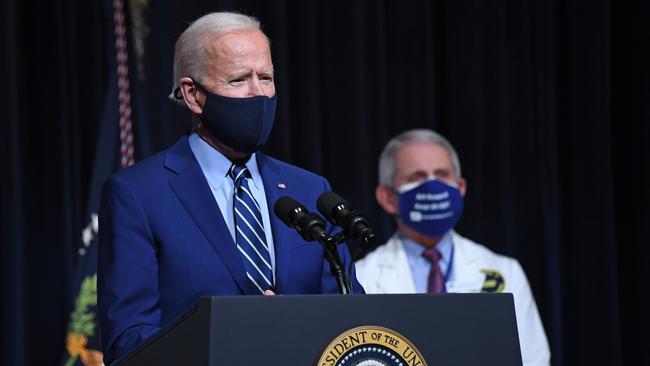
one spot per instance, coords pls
(462, 186)
(191, 96)
(387, 199)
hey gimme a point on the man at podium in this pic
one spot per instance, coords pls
(194, 219)
(420, 184)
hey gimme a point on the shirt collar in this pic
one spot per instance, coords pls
(414, 249)
(215, 165)
(255, 171)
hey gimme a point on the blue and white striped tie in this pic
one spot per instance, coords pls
(249, 231)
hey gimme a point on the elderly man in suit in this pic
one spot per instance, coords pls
(195, 219)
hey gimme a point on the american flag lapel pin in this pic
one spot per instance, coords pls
(282, 186)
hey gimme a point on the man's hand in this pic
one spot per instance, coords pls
(269, 293)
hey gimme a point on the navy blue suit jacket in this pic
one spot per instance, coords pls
(163, 243)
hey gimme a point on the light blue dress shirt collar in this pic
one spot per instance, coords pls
(215, 168)
(420, 266)
(215, 165)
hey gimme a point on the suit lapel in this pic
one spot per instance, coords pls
(193, 191)
(275, 187)
(467, 276)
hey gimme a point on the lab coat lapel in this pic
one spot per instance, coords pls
(466, 276)
(394, 274)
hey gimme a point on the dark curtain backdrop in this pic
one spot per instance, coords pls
(546, 102)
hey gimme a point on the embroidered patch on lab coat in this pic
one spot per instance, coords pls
(493, 282)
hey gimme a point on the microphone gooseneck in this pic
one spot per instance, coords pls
(311, 227)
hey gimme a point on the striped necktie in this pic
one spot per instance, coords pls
(249, 231)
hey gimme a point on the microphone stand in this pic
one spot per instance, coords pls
(336, 265)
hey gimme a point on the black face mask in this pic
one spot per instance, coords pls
(243, 124)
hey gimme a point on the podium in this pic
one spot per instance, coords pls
(302, 330)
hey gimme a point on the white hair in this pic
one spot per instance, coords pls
(387, 157)
(189, 52)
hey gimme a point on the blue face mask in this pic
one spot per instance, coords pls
(431, 207)
(243, 124)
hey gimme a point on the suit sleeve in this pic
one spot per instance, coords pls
(328, 281)
(532, 338)
(128, 296)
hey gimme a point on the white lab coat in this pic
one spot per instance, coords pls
(386, 270)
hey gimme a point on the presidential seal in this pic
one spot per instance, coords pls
(371, 346)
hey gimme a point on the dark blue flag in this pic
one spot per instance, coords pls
(122, 135)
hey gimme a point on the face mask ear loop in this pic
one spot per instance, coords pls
(199, 87)
(177, 92)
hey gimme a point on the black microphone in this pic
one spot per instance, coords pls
(340, 212)
(310, 226)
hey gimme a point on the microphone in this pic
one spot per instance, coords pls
(312, 227)
(309, 225)
(340, 212)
